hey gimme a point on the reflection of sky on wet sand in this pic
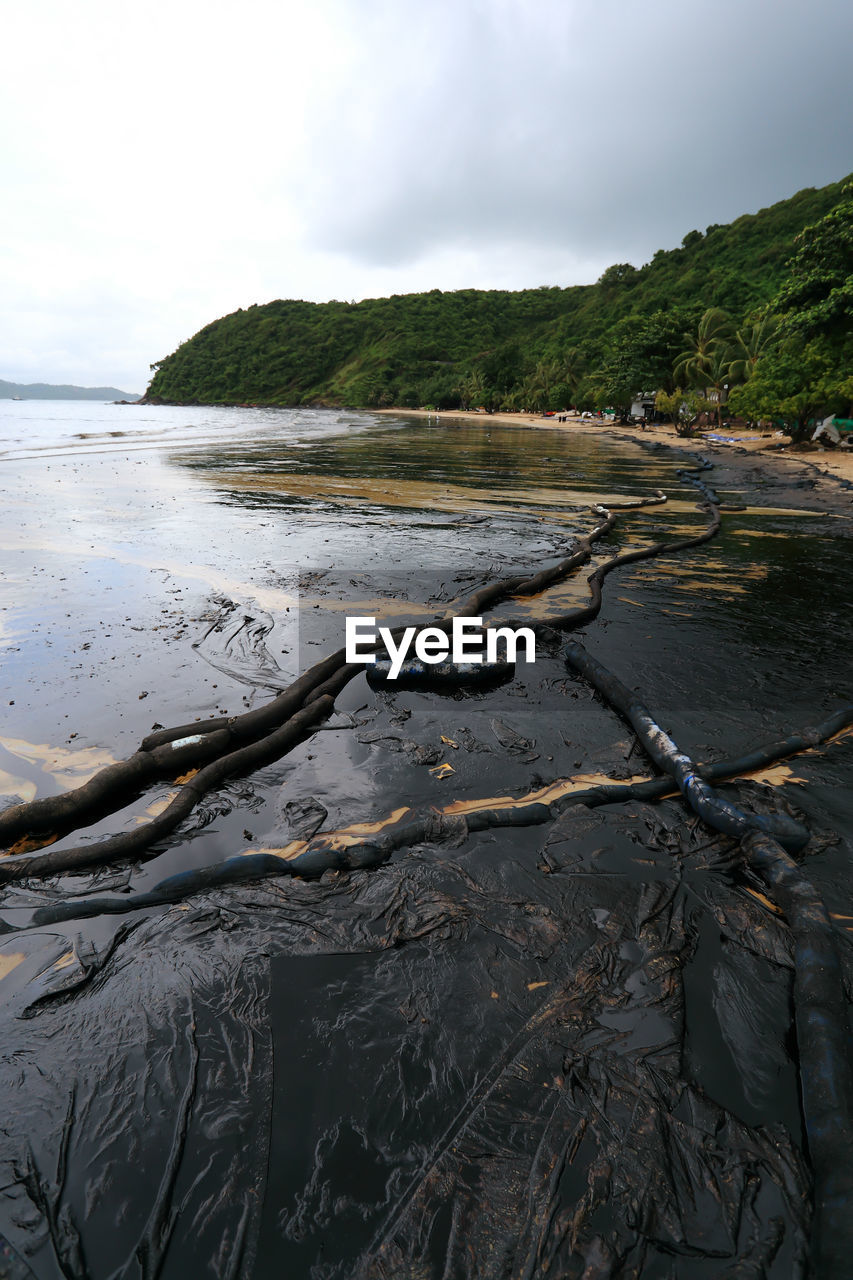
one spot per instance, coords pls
(74, 765)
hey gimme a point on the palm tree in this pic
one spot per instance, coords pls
(703, 347)
(706, 361)
(539, 384)
(571, 369)
(473, 389)
(751, 342)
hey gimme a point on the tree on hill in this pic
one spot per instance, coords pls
(816, 299)
(553, 383)
(620, 273)
(706, 361)
(806, 374)
(706, 351)
(752, 340)
(641, 358)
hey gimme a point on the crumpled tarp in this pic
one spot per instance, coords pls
(490, 1062)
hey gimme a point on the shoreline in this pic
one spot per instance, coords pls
(837, 463)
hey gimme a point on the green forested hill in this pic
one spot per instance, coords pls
(536, 347)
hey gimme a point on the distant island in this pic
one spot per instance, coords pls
(46, 391)
(756, 315)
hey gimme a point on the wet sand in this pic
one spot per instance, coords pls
(773, 444)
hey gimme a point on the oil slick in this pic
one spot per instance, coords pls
(10, 962)
(68, 766)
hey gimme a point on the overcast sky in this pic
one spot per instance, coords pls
(166, 163)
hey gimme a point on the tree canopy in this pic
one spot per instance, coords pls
(817, 296)
(804, 368)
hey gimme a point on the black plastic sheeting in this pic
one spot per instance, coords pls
(820, 1003)
(403, 1046)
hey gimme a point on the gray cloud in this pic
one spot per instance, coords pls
(609, 129)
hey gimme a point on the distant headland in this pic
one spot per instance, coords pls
(47, 391)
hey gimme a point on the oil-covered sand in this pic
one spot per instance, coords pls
(555, 1048)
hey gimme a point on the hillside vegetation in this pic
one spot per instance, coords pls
(537, 348)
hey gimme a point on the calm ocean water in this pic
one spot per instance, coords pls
(33, 428)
